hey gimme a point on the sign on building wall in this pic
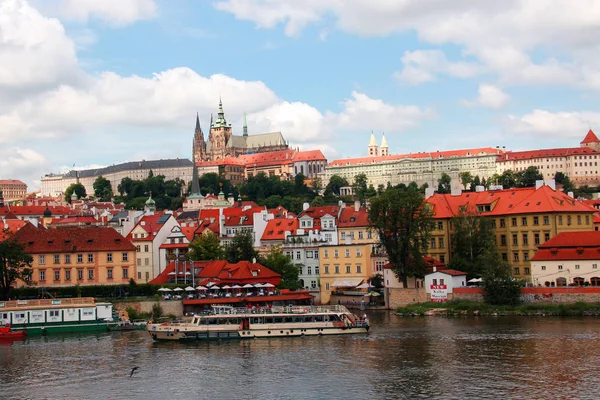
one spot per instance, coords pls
(439, 293)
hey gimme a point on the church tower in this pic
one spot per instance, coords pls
(384, 147)
(220, 134)
(245, 126)
(199, 145)
(373, 151)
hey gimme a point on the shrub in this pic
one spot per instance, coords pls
(157, 311)
(502, 291)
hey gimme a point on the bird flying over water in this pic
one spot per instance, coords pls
(133, 371)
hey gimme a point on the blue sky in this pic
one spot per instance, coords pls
(95, 83)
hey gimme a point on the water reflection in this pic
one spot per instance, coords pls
(400, 358)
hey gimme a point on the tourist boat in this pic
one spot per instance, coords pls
(226, 322)
(8, 333)
(45, 316)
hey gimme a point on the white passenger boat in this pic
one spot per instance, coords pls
(226, 322)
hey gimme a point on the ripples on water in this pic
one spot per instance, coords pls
(402, 358)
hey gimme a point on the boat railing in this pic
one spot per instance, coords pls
(47, 302)
(291, 309)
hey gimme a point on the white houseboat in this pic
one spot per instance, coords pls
(57, 315)
(241, 323)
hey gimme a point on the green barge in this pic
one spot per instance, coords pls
(49, 316)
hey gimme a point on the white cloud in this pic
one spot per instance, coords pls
(423, 65)
(114, 12)
(21, 163)
(34, 51)
(501, 36)
(559, 125)
(489, 96)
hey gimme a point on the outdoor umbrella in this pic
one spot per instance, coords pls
(201, 288)
(164, 289)
(189, 288)
(363, 286)
(259, 285)
(226, 287)
(475, 280)
(268, 285)
(178, 289)
(171, 273)
(215, 288)
(236, 287)
(248, 286)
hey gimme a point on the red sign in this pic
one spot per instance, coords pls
(439, 293)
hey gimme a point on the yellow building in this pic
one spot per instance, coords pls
(83, 256)
(524, 219)
(343, 266)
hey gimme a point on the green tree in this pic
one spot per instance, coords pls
(476, 182)
(318, 201)
(241, 248)
(444, 184)
(508, 179)
(403, 223)
(465, 179)
(278, 262)
(371, 192)
(300, 187)
(124, 187)
(316, 185)
(15, 264)
(76, 188)
(273, 201)
(499, 287)
(473, 236)
(360, 187)
(206, 247)
(102, 189)
(335, 183)
(528, 177)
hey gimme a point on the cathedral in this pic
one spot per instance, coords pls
(222, 143)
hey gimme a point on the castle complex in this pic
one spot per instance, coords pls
(223, 143)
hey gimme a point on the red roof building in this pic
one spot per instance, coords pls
(524, 219)
(569, 258)
(85, 256)
(580, 164)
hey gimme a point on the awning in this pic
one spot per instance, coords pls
(348, 282)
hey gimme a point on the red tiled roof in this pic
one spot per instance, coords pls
(349, 218)
(235, 216)
(309, 155)
(590, 138)
(507, 202)
(318, 212)
(189, 231)
(570, 246)
(11, 226)
(70, 240)
(433, 155)
(11, 182)
(77, 219)
(148, 223)
(277, 227)
(452, 272)
(37, 210)
(544, 153)
(269, 158)
(223, 272)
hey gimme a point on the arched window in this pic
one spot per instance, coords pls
(578, 281)
(561, 281)
(595, 281)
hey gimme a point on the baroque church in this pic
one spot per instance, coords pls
(222, 143)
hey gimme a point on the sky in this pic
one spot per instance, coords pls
(93, 83)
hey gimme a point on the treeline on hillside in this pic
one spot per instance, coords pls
(166, 194)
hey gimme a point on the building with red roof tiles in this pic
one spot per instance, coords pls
(243, 219)
(568, 259)
(580, 164)
(72, 221)
(382, 168)
(219, 272)
(323, 219)
(9, 227)
(524, 219)
(277, 230)
(12, 189)
(149, 233)
(82, 256)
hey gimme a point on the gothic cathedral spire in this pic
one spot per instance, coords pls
(245, 125)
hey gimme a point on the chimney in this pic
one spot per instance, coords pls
(551, 183)
(253, 260)
(434, 268)
(356, 205)
(539, 184)
(305, 206)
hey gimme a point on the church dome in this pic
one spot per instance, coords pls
(47, 213)
(150, 202)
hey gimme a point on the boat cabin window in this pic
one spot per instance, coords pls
(299, 319)
(278, 320)
(319, 318)
(212, 321)
(256, 320)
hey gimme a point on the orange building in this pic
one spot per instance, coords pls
(83, 256)
(524, 219)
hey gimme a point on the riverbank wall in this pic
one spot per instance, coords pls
(173, 307)
(542, 295)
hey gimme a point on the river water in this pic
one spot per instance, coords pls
(401, 358)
